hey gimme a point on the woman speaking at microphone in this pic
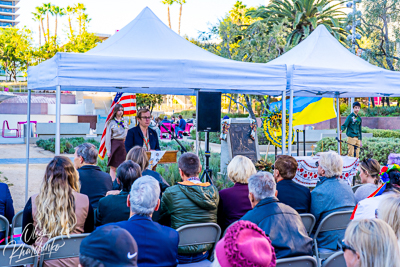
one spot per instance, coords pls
(142, 135)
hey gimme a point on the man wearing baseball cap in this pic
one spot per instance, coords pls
(108, 246)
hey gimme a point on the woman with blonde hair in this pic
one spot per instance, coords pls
(370, 243)
(389, 211)
(234, 202)
(58, 209)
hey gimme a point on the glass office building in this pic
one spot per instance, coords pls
(8, 13)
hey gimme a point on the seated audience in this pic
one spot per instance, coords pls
(390, 176)
(279, 221)
(113, 208)
(58, 209)
(165, 120)
(246, 239)
(108, 246)
(370, 242)
(138, 154)
(180, 127)
(6, 205)
(389, 211)
(94, 182)
(331, 194)
(234, 202)
(289, 192)
(190, 202)
(369, 173)
(158, 245)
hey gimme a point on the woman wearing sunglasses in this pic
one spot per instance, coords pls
(370, 243)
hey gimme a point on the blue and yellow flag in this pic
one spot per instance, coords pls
(309, 110)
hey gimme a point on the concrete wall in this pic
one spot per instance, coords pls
(68, 109)
(14, 119)
(388, 123)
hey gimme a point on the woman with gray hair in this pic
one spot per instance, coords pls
(330, 195)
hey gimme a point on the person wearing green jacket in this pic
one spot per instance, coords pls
(353, 126)
(190, 202)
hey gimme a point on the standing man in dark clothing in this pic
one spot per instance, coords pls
(353, 126)
(94, 182)
(181, 126)
(290, 193)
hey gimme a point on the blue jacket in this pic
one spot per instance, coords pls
(157, 244)
(182, 124)
(284, 227)
(294, 195)
(135, 138)
(6, 205)
(330, 195)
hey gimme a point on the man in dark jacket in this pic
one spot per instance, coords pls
(94, 182)
(280, 222)
(190, 202)
(157, 244)
(289, 192)
(6, 205)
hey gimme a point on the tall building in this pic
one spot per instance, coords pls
(8, 14)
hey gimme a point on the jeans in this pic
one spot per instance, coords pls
(177, 129)
(189, 258)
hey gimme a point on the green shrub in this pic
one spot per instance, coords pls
(382, 133)
(214, 136)
(102, 163)
(377, 148)
(67, 145)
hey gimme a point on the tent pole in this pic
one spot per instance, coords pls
(58, 117)
(28, 135)
(290, 123)
(284, 122)
(338, 120)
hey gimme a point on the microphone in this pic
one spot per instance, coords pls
(162, 125)
(337, 139)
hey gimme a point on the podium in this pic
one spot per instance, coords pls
(170, 156)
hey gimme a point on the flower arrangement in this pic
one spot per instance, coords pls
(272, 124)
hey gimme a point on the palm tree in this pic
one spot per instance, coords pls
(181, 2)
(303, 16)
(41, 12)
(38, 17)
(47, 9)
(57, 11)
(168, 3)
(80, 9)
(70, 12)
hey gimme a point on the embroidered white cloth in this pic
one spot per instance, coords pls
(155, 158)
(307, 171)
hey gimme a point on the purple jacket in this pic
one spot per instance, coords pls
(234, 203)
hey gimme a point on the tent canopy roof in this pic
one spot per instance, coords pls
(320, 65)
(148, 57)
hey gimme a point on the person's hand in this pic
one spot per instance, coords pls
(113, 192)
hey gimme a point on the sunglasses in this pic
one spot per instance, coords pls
(273, 167)
(345, 246)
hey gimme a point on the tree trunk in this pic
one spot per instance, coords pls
(70, 26)
(44, 33)
(372, 102)
(230, 104)
(48, 27)
(169, 18)
(249, 107)
(388, 101)
(389, 60)
(40, 36)
(180, 17)
(55, 32)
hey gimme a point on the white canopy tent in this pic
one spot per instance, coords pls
(148, 57)
(321, 66)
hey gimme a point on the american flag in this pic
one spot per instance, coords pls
(128, 101)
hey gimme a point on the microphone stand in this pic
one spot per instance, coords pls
(183, 149)
(355, 151)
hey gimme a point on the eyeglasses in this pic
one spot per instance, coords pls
(345, 246)
(317, 163)
(273, 167)
(146, 118)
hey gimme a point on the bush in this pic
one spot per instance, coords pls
(214, 136)
(392, 111)
(377, 148)
(67, 145)
(382, 133)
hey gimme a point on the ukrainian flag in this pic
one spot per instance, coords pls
(309, 110)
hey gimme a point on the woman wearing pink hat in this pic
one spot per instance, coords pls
(244, 244)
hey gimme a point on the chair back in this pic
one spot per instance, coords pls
(168, 125)
(4, 227)
(199, 234)
(61, 247)
(354, 188)
(302, 261)
(188, 127)
(336, 260)
(16, 227)
(334, 221)
(17, 255)
(308, 220)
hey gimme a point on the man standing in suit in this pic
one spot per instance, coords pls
(157, 244)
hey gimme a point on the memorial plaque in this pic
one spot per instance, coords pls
(241, 143)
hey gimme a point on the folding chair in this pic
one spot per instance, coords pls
(336, 260)
(16, 228)
(198, 234)
(17, 255)
(354, 188)
(309, 221)
(302, 261)
(61, 247)
(334, 221)
(4, 227)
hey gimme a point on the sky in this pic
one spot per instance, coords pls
(107, 16)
